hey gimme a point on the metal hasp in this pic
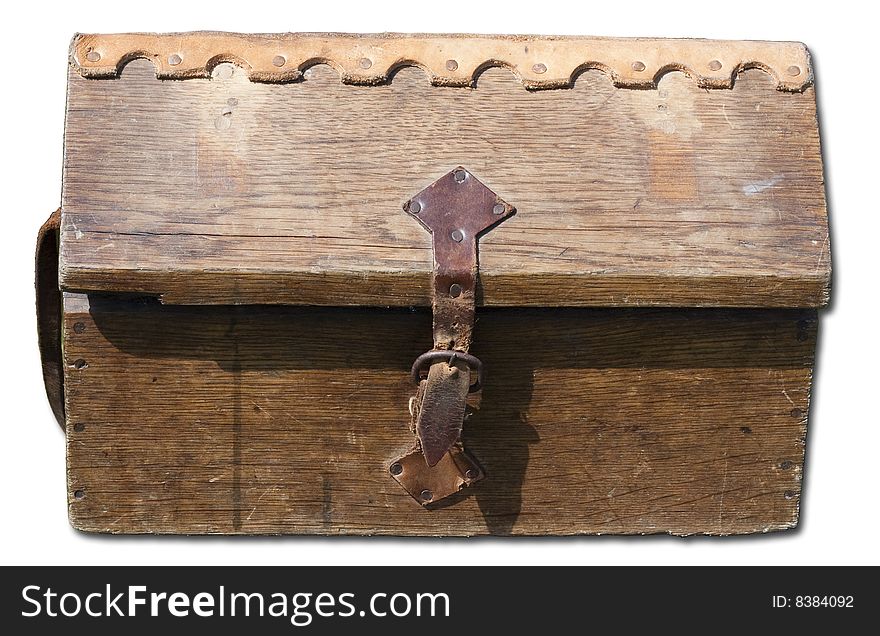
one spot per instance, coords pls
(456, 209)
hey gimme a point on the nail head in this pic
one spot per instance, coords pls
(457, 236)
(396, 468)
(498, 208)
(539, 68)
(714, 65)
(793, 70)
(79, 327)
(365, 63)
(638, 66)
(455, 290)
(415, 207)
(459, 175)
(79, 494)
(279, 60)
(175, 59)
(93, 56)
(472, 473)
(426, 495)
(451, 65)
(79, 427)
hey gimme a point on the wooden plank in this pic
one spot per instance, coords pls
(260, 420)
(227, 191)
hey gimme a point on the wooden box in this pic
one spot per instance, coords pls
(250, 247)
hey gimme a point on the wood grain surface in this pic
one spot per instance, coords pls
(227, 191)
(259, 420)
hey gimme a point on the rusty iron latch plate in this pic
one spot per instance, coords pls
(427, 484)
(456, 209)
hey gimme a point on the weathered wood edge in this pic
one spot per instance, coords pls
(412, 289)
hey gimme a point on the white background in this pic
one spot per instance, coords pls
(840, 506)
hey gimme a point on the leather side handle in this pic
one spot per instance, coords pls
(49, 313)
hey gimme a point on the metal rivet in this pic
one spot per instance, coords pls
(396, 468)
(80, 364)
(797, 413)
(790, 494)
(451, 65)
(175, 59)
(415, 207)
(426, 495)
(539, 68)
(93, 56)
(787, 465)
(79, 327)
(714, 65)
(499, 208)
(459, 175)
(365, 63)
(457, 236)
(455, 290)
(638, 66)
(79, 427)
(472, 473)
(794, 71)
(279, 60)
(79, 494)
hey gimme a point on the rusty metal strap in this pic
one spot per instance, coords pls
(456, 209)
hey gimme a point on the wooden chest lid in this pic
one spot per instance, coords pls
(214, 168)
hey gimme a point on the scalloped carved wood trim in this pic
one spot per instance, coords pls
(449, 60)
